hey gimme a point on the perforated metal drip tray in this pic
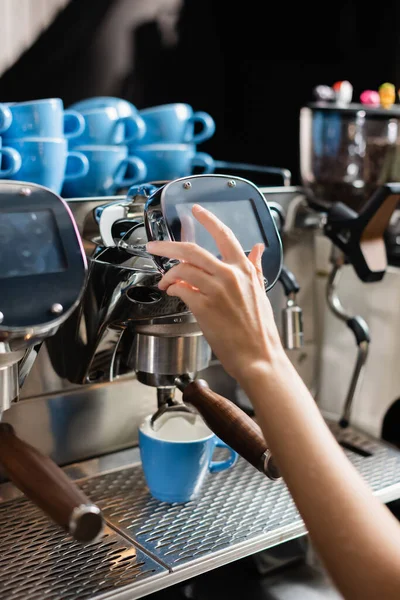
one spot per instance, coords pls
(149, 545)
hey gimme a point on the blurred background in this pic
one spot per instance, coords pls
(251, 67)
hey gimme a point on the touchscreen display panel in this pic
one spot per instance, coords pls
(239, 215)
(29, 244)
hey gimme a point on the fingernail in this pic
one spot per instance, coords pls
(150, 245)
(198, 208)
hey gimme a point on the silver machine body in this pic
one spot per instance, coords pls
(92, 384)
(125, 323)
(101, 376)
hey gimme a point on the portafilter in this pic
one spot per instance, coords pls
(42, 274)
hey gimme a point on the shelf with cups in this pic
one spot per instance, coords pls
(150, 545)
(101, 146)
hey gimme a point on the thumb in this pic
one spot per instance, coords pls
(255, 258)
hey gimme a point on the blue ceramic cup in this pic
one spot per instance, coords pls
(176, 124)
(105, 127)
(13, 160)
(177, 457)
(5, 117)
(123, 107)
(107, 172)
(43, 118)
(171, 161)
(46, 161)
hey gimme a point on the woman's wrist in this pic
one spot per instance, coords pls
(274, 368)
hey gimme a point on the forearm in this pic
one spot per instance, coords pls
(356, 536)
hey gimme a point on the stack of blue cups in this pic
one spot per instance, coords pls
(35, 143)
(111, 124)
(169, 146)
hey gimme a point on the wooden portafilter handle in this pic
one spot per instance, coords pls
(232, 425)
(43, 482)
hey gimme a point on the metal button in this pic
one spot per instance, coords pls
(57, 308)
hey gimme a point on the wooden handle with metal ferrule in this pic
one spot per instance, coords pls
(232, 425)
(43, 482)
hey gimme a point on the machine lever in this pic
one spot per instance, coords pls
(360, 236)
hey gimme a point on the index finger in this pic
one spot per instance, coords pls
(227, 243)
(188, 252)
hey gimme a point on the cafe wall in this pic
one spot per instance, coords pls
(251, 67)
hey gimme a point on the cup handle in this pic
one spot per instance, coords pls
(134, 128)
(74, 124)
(221, 465)
(208, 127)
(82, 163)
(202, 159)
(15, 160)
(139, 169)
(5, 118)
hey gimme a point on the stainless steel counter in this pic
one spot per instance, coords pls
(150, 545)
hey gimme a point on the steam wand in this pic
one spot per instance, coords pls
(292, 315)
(359, 328)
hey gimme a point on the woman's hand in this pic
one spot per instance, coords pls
(226, 296)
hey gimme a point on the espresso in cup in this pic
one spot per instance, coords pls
(177, 456)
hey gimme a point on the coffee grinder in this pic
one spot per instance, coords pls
(349, 157)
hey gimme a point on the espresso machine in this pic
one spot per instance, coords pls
(125, 324)
(126, 350)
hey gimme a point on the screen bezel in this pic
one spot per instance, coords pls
(26, 300)
(206, 189)
(250, 201)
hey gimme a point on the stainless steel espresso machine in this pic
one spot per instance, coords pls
(126, 350)
(125, 324)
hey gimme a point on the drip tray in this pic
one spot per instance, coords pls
(150, 545)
